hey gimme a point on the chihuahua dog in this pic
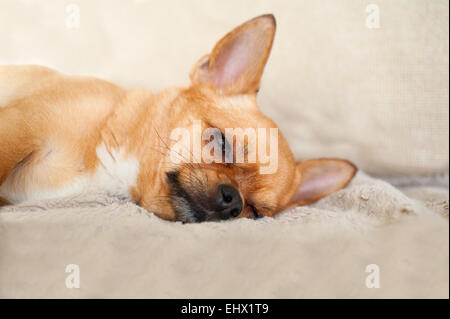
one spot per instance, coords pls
(63, 135)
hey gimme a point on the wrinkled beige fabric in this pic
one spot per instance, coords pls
(317, 251)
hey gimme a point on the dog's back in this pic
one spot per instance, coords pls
(18, 81)
(49, 122)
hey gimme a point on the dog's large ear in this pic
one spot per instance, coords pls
(321, 177)
(236, 63)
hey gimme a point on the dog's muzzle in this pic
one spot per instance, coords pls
(191, 206)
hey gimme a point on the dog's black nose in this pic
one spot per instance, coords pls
(229, 201)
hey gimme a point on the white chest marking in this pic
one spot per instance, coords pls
(115, 175)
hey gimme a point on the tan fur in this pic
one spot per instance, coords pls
(51, 125)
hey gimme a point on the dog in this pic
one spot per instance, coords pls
(63, 135)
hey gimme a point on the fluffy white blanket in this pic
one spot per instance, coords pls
(318, 251)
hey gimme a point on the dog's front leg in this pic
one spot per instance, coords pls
(15, 141)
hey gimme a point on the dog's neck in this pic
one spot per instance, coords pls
(138, 132)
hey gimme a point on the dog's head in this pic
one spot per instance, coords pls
(226, 158)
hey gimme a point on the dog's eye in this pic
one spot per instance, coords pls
(226, 148)
(222, 142)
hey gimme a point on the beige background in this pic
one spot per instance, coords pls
(335, 87)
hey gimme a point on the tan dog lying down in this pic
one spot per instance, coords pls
(62, 135)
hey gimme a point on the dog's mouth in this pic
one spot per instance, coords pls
(195, 204)
(185, 206)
